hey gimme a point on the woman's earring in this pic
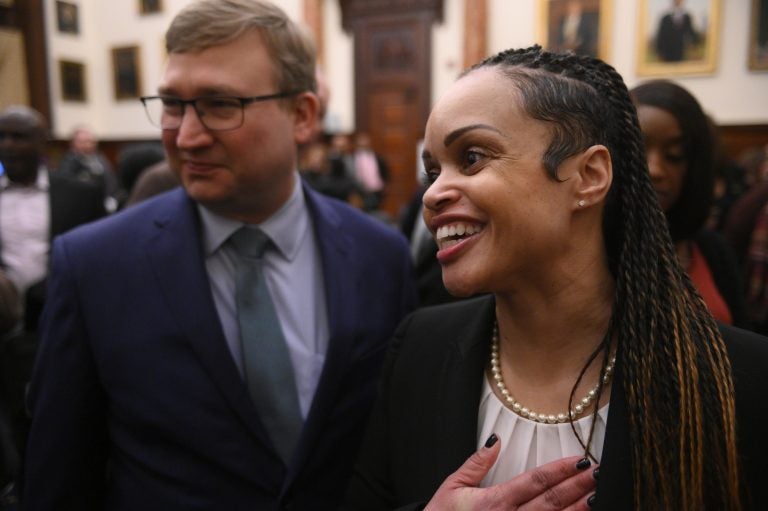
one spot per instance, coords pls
(581, 203)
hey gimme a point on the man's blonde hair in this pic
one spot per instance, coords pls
(207, 23)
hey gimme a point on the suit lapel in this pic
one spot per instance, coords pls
(462, 381)
(342, 274)
(184, 280)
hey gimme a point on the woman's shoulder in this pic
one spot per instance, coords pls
(748, 352)
(462, 323)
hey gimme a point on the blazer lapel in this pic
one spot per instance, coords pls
(462, 383)
(615, 490)
(184, 281)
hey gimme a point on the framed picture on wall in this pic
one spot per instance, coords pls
(758, 36)
(677, 37)
(150, 6)
(126, 72)
(580, 26)
(72, 77)
(67, 18)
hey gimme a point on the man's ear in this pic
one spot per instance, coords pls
(306, 110)
(595, 175)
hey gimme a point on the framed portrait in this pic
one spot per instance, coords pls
(677, 37)
(72, 77)
(150, 6)
(126, 72)
(580, 26)
(67, 18)
(758, 36)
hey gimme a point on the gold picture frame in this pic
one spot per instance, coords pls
(758, 36)
(72, 80)
(581, 26)
(126, 72)
(678, 42)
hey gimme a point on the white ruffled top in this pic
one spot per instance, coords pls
(526, 444)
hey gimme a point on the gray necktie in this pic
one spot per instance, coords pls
(268, 368)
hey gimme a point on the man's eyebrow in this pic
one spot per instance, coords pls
(452, 136)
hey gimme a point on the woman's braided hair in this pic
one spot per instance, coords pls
(676, 372)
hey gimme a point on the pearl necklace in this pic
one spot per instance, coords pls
(523, 411)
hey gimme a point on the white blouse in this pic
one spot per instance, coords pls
(526, 444)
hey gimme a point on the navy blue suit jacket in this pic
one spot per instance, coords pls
(137, 403)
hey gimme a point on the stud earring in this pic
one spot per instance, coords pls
(581, 203)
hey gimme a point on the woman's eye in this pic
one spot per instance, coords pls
(472, 157)
(432, 174)
(674, 157)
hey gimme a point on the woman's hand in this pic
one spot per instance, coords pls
(562, 485)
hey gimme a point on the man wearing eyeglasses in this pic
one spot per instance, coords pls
(148, 393)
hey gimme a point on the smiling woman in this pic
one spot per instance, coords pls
(540, 197)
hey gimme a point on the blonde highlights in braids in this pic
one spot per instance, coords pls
(676, 372)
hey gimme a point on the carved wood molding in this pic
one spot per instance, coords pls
(313, 17)
(475, 31)
(352, 10)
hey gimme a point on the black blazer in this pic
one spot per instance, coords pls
(424, 425)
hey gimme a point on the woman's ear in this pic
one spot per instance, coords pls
(306, 110)
(595, 175)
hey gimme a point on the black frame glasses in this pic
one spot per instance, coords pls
(216, 113)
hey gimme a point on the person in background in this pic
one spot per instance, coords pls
(154, 180)
(132, 161)
(84, 162)
(742, 216)
(35, 205)
(429, 274)
(591, 348)
(371, 173)
(217, 346)
(679, 145)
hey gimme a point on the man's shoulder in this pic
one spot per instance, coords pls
(362, 227)
(130, 223)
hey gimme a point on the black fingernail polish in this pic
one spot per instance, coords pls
(596, 473)
(591, 500)
(583, 463)
(491, 440)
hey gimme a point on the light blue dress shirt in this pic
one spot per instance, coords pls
(295, 280)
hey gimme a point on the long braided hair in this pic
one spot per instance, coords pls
(677, 375)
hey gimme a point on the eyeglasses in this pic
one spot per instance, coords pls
(216, 113)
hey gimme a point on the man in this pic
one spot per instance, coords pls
(142, 395)
(35, 204)
(84, 161)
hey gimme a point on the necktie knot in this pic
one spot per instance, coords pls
(250, 242)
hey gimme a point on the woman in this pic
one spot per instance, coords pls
(680, 147)
(541, 197)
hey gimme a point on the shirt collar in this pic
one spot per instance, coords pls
(42, 182)
(286, 227)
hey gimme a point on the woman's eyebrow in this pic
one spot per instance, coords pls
(452, 136)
